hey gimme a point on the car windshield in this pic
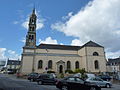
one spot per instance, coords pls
(96, 79)
(71, 79)
(50, 76)
(79, 80)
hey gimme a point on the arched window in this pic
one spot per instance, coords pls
(50, 64)
(95, 54)
(40, 64)
(96, 63)
(77, 65)
(68, 65)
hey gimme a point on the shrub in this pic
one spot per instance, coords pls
(50, 71)
(82, 71)
(69, 71)
(61, 75)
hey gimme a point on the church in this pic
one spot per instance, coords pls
(58, 58)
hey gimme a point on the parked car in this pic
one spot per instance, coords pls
(100, 82)
(32, 76)
(77, 75)
(10, 72)
(89, 75)
(46, 79)
(105, 77)
(75, 83)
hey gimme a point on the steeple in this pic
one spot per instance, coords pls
(31, 34)
(33, 11)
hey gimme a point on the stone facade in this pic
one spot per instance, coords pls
(59, 58)
(85, 57)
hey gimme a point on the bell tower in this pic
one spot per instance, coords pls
(31, 34)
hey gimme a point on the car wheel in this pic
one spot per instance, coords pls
(64, 88)
(39, 82)
(107, 85)
(92, 88)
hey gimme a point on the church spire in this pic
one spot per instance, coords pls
(31, 34)
(33, 10)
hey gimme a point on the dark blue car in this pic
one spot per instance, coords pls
(46, 79)
(105, 77)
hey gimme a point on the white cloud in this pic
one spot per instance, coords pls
(99, 21)
(68, 16)
(15, 22)
(5, 54)
(23, 40)
(2, 53)
(61, 44)
(76, 42)
(113, 55)
(13, 55)
(48, 40)
(39, 22)
(25, 23)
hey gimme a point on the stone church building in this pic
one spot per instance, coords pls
(58, 58)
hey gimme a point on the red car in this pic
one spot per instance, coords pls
(75, 83)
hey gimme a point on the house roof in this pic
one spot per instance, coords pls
(61, 47)
(116, 60)
(65, 47)
(13, 62)
(91, 44)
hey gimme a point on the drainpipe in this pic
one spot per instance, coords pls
(86, 59)
(33, 66)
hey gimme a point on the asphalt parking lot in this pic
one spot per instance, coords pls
(9, 82)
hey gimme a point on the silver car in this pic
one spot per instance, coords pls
(98, 81)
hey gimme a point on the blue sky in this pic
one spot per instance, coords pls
(67, 22)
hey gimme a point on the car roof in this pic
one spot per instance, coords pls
(71, 77)
(45, 74)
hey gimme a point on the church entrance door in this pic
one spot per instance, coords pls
(61, 69)
(61, 66)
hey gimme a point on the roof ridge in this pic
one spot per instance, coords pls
(59, 45)
(92, 44)
(56, 46)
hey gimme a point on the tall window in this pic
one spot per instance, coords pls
(40, 64)
(50, 64)
(68, 65)
(77, 65)
(95, 54)
(96, 64)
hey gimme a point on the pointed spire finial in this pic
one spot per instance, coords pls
(34, 9)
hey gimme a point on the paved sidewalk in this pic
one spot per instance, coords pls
(13, 76)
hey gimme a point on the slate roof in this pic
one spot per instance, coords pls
(116, 60)
(66, 47)
(61, 47)
(91, 44)
(13, 62)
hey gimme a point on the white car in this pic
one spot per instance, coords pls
(98, 81)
